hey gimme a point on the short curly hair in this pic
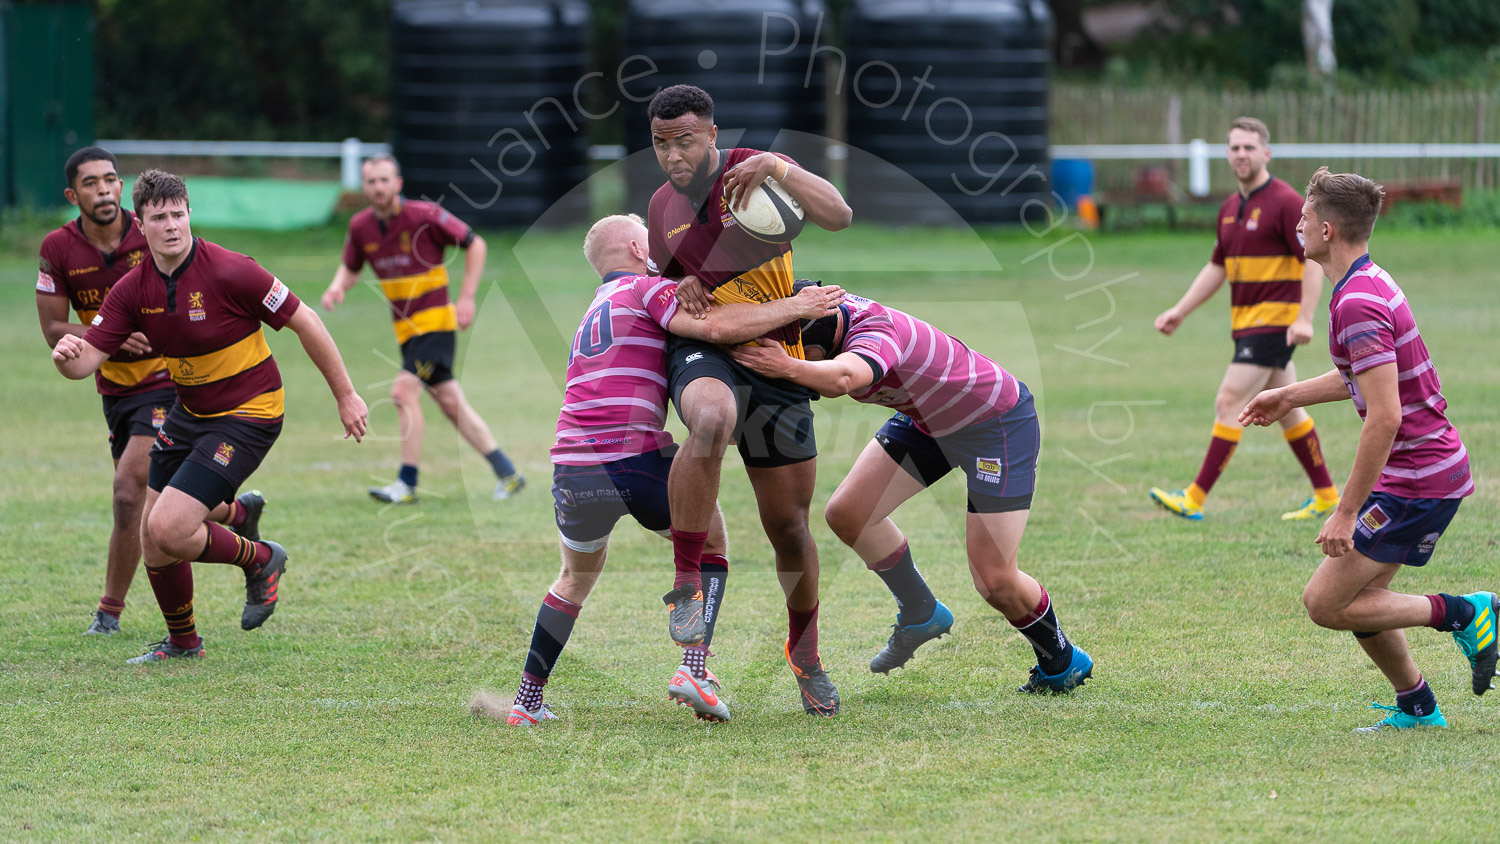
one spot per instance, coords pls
(672, 103)
(157, 186)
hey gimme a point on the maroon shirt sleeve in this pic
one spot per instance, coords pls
(116, 319)
(52, 270)
(1218, 256)
(447, 229)
(354, 257)
(261, 294)
(656, 241)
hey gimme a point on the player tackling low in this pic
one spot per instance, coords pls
(1411, 470)
(612, 458)
(202, 307)
(955, 408)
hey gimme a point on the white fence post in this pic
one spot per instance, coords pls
(349, 163)
(1198, 167)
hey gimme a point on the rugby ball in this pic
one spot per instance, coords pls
(771, 215)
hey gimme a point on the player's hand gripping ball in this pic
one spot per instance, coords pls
(771, 214)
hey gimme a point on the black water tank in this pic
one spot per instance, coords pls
(947, 109)
(482, 107)
(718, 46)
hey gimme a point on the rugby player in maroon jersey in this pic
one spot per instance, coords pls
(202, 307)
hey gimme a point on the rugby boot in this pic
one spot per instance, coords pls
(819, 696)
(685, 621)
(1399, 720)
(1177, 502)
(1477, 640)
(165, 650)
(702, 695)
(103, 624)
(905, 640)
(261, 589)
(254, 503)
(1079, 669)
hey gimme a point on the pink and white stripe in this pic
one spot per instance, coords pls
(616, 399)
(1370, 325)
(942, 384)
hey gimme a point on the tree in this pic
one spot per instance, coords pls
(1317, 37)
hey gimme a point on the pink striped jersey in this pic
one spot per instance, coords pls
(1371, 324)
(943, 385)
(616, 398)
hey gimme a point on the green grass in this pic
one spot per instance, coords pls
(1217, 710)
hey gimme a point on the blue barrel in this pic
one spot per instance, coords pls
(1072, 178)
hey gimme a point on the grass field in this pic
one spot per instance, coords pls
(1217, 710)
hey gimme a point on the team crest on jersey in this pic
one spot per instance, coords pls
(224, 454)
(196, 313)
(1373, 519)
(134, 258)
(1254, 222)
(158, 417)
(988, 469)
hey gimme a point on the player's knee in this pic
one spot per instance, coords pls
(846, 522)
(712, 420)
(166, 535)
(129, 498)
(787, 531)
(1319, 610)
(1227, 408)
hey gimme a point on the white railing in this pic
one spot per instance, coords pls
(350, 151)
(1198, 152)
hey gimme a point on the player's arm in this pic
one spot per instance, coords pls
(1204, 286)
(1380, 388)
(324, 353)
(830, 378)
(474, 255)
(343, 279)
(76, 358)
(820, 200)
(53, 312)
(1301, 329)
(741, 322)
(1271, 405)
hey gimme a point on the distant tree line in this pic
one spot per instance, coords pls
(319, 69)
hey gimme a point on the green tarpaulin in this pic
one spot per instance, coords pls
(267, 204)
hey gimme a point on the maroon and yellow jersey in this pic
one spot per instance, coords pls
(406, 253)
(75, 269)
(1262, 258)
(708, 243)
(205, 319)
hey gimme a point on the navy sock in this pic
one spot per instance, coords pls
(408, 475)
(915, 603)
(500, 463)
(715, 571)
(1450, 612)
(1054, 653)
(554, 624)
(1418, 700)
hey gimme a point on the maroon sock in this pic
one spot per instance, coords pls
(173, 586)
(1309, 453)
(111, 606)
(237, 514)
(225, 546)
(687, 557)
(1220, 449)
(802, 637)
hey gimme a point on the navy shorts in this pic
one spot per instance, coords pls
(998, 456)
(589, 500)
(209, 457)
(139, 415)
(1263, 350)
(1403, 531)
(774, 421)
(430, 357)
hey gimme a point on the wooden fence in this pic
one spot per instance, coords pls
(1085, 114)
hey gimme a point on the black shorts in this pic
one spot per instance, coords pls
(774, 418)
(209, 457)
(998, 456)
(589, 500)
(1263, 350)
(429, 357)
(139, 415)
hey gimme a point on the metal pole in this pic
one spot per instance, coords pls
(349, 164)
(1198, 167)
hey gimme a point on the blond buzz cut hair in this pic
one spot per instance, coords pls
(1251, 124)
(1348, 200)
(601, 240)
